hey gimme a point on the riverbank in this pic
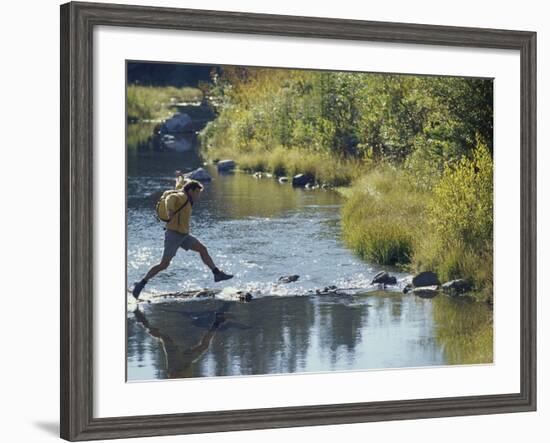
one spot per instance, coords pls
(154, 103)
(389, 218)
(287, 162)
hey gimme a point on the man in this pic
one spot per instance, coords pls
(177, 235)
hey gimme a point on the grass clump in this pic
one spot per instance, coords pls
(382, 216)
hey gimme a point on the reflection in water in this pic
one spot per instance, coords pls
(300, 334)
(178, 359)
(259, 230)
(464, 330)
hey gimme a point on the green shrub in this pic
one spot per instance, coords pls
(459, 242)
(461, 210)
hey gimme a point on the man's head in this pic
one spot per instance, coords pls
(193, 188)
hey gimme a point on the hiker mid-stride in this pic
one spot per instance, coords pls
(179, 205)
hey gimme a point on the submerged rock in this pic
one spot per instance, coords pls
(384, 278)
(288, 278)
(427, 278)
(426, 291)
(199, 174)
(226, 165)
(408, 288)
(283, 179)
(458, 286)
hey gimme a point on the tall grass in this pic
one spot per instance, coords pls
(383, 216)
(153, 102)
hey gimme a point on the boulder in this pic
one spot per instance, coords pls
(408, 288)
(178, 123)
(427, 278)
(301, 180)
(384, 278)
(457, 286)
(283, 179)
(426, 291)
(226, 165)
(199, 174)
(288, 278)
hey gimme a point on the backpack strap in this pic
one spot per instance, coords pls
(179, 209)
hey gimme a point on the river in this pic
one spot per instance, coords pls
(259, 230)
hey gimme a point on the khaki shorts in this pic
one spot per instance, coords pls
(174, 240)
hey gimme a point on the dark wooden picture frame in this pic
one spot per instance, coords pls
(77, 23)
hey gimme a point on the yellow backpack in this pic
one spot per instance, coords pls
(161, 209)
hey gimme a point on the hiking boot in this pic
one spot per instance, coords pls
(220, 276)
(138, 287)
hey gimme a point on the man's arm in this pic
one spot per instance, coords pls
(180, 180)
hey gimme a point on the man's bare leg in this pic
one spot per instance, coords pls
(138, 287)
(164, 263)
(205, 256)
(207, 260)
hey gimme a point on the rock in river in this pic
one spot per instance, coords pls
(425, 279)
(288, 278)
(384, 278)
(426, 291)
(283, 179)
(226, 165)
(244, 296)
(458, 286)
(301, 180)
(178, 123)
(199, 174)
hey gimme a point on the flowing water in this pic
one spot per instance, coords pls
(259, 230)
